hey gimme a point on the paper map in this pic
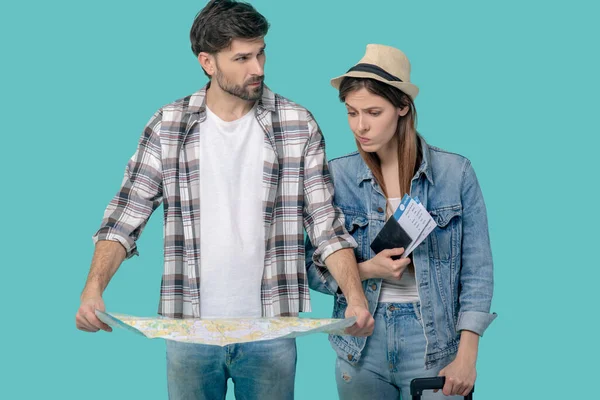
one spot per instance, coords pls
(222, 332)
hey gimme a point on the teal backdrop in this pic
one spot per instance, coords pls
(512, 85)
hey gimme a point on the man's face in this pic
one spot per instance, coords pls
(239, 69)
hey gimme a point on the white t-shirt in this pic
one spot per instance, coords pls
(403, 290)
(232, 247)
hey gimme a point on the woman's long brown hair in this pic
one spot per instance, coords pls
(406, 134)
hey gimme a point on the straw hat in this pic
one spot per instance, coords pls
(385, 64)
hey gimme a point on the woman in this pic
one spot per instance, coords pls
(430, 308)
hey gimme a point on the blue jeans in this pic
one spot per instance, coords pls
(393, 356)
(259, 370)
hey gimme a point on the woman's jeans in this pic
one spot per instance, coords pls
(393, 356)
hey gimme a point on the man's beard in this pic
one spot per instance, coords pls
(245, 91)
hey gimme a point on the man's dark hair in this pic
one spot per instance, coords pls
(221, 21)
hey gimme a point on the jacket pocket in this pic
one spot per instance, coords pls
(445, 238)
(357, 226)
(339, 306)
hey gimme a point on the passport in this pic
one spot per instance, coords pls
(391, 236)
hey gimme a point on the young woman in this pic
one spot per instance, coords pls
(430, 308)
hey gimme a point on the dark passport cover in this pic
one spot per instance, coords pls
(391, 236)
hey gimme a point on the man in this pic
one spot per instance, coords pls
(240, 171)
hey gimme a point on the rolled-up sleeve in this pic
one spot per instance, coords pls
(140, 193)
(319, 277)
(476, 277)
(474, 321)
(323, 221)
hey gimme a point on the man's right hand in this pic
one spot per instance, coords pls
(364, 324)
(86, 319)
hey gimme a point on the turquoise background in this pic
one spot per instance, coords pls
(512, 85)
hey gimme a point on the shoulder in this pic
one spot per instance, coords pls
(451, 171)
(441, 160)
(345, 160)
(185, 105)
(291, 109)
(345, 166)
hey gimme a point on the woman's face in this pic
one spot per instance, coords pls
(373, 120)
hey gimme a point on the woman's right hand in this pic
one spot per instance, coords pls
(383, 266)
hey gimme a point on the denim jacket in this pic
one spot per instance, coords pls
(453, 266)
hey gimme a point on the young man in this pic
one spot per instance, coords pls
(240, 171)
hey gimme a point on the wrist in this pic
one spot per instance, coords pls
(468, 347)
(358, 301)
(467, 357)
(364, 269)
(91, 291)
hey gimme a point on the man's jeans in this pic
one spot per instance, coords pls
(262, 370)
(393, 356)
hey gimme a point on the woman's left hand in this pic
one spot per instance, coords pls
(460, 377)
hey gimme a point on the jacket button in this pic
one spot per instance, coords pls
(374, 287)
(380, 209)
(349, 357)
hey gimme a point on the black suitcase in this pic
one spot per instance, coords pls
(419, 384)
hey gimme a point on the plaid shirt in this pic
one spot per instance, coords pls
(297, 193)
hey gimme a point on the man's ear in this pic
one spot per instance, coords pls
(207, 62)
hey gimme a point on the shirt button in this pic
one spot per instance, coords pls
(349, 357)
(374, 287)
(380, 209)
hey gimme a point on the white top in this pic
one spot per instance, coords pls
(403, 290)
(232, 247)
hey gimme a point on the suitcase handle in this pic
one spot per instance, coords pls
(419, 384)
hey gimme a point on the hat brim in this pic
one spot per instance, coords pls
(411, 90)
